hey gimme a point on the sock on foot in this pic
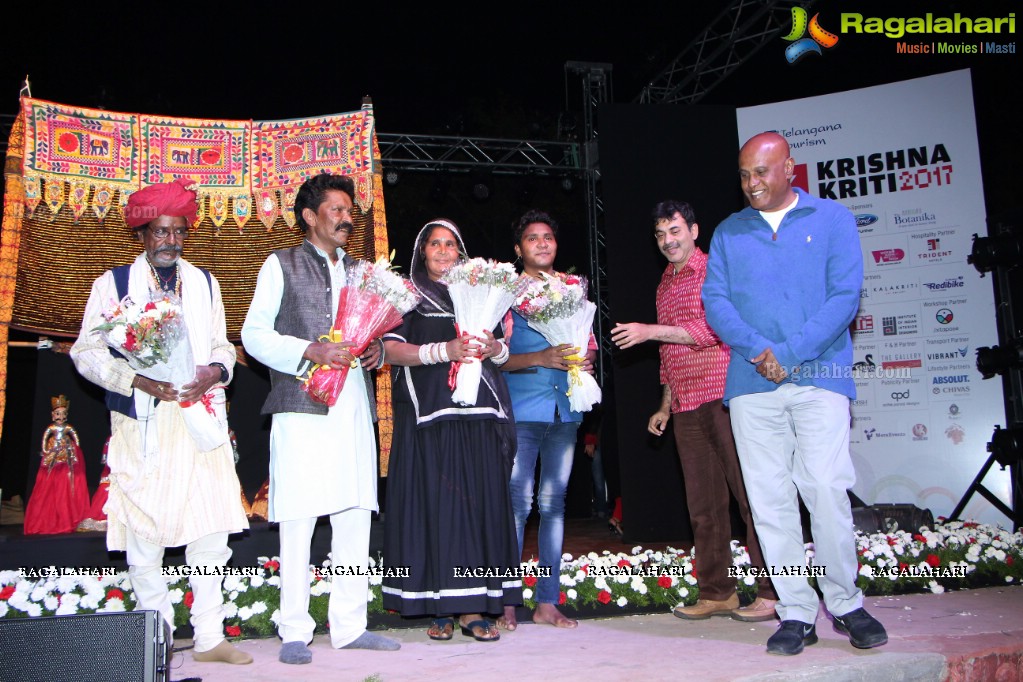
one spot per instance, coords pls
(368, 640)
(295, 653)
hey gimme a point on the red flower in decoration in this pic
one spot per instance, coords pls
(562, 598)
(903, 566)
(664, 581)
(150, 306)
(233, 631)
(604, 597)
(6, 593)
(624, 563)
(272, 566)
(189, 598)
(933, 560)
(1009, 561)
(210, 157)
(919, 538)
(892, 541)
(529, 580)
(68, 142)
(293, 153)
(586, 569)
(114, 593)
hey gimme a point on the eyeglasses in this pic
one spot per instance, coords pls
(163, 232)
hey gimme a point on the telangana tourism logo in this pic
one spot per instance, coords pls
(802, 46)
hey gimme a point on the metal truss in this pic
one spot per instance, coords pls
(596, 90)
(728, 41)
(502, 157)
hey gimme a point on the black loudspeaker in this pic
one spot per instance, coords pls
(888, 518)
(98, 647)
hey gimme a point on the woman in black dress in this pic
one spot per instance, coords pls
(449, 516)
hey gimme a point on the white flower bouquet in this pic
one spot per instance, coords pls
(481, 292)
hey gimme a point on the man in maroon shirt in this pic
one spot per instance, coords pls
(693, 366)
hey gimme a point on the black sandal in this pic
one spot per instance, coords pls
(484, 625)
(441, 625)
(615, 526)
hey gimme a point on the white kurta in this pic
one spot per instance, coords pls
(185, 494)
(319, 464)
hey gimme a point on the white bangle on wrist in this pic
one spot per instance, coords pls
(424, 354)
(501, 357)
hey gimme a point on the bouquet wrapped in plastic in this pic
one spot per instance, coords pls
(151, 336)
(372, 302)
(481, 292)
(556, 307)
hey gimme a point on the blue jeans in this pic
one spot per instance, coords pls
(555, 445)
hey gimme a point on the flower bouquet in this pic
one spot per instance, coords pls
(481, 292)
(556, 306)
(373, 301)
(151, 336)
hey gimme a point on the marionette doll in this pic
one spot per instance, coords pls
(60, 498)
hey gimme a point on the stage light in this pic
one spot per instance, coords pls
(1006, 445)
(1003, 250)
(568, 126)
(567, 183)
(999, 359)
(481, 182)
(391, 177)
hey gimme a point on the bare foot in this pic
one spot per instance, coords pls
(508, 621)
(549, 614)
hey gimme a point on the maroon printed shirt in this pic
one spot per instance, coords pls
(695, 374)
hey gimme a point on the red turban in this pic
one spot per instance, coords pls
(166, 198)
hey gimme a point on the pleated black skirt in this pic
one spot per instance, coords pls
(449, 518)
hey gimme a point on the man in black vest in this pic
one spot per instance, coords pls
(322, 460)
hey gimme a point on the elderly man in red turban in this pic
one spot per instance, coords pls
(172, 476)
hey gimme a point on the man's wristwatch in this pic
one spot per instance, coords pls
(224, 376)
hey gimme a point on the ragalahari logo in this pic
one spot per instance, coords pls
(802, 46)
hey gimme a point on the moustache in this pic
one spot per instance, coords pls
(170, 248)
(344, 226)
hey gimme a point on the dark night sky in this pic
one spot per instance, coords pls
(444, 68)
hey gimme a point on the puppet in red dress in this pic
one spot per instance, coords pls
(60, 498)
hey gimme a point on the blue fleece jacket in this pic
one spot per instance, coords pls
(795, 293)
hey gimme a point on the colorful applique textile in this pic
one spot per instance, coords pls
(213, 153)
(287, 153)
(71, 142)
(102, 199)
(242, 204)
(33, 194)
